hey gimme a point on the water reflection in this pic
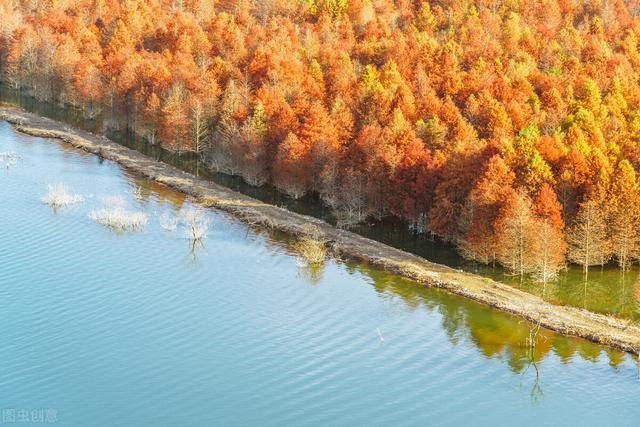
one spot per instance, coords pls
(312, 272)
(497, 334)
(535, 392)
(149, 190)
(521, 344)
(197, 248)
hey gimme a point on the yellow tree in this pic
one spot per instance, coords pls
(623, 206)
(175, 119)
(517, 237)
(552, 247)
(587, 238)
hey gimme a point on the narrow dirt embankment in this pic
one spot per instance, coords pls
(607, 330)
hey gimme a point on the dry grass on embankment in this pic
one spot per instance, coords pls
(607, 330)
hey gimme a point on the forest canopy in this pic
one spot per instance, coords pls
(509, 128)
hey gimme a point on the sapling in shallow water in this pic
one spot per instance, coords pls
(195, 222)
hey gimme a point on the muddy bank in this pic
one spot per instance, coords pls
(618, 333)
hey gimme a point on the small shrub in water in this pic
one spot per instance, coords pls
(115, 216)
(58, 196)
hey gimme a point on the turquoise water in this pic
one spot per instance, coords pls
(132, 329)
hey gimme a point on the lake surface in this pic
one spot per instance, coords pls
(606, 290)
(128, 329)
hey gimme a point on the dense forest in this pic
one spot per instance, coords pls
(509, 128)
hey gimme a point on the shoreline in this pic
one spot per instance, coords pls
(599, 328)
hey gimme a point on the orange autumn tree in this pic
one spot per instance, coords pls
(551, 245)
(588, 238)
(623, 215)
(517, 237)
(439, 113)
(292, 162)
(486, 202)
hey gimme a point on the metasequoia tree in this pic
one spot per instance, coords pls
(199, 125)
(175, 117)
(227, 129)
(291, 166)
(518, 240)
(587, 237)
(201, 111)
(485, 204)
(250, 149)
(151, 118)
(551, 246)
(623, 205)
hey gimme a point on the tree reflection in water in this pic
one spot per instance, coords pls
(532, 342)
(195, 246)
(494, 333)
(312, 272)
